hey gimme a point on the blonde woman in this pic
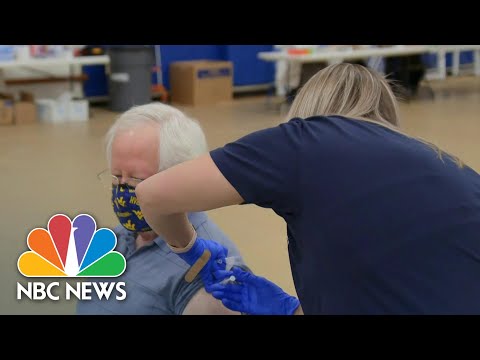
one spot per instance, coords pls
(378, 222)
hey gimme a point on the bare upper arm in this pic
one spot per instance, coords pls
(195, 185)
(202, 303)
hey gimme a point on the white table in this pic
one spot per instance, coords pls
(396, 50)
(343, 55)
(42, 64)
(34, 63)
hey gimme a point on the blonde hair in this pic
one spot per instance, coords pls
(356, 92)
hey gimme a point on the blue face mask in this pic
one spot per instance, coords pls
(126, 208)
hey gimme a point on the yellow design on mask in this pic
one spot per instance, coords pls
(120, 202)
(133, 200)
(124, 214)
(129, 225)
(138, 213)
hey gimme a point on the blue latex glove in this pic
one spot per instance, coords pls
(253, 294)
(216, 262)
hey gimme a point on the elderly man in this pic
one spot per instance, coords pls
(143, 141)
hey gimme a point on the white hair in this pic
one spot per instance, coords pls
(180, 138)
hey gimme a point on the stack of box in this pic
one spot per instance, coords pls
(22, 111)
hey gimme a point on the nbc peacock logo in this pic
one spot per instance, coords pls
(71, 249)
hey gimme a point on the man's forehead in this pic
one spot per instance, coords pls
(146, 132)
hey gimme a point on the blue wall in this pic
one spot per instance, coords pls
(247, 68)
(97, 83)
(466, 57)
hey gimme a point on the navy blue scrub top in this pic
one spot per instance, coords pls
(377, 222)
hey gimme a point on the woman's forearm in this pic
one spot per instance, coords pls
(175, 229)
(195, 185)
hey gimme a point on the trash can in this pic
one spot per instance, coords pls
(130, 75)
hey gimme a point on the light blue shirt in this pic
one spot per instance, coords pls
(154, 277)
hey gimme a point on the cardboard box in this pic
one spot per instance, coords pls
(25, 110)
(201, 82)
(6, 109)
(6, 112)
(3, 86)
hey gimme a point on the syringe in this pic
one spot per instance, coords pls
(230, 262)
